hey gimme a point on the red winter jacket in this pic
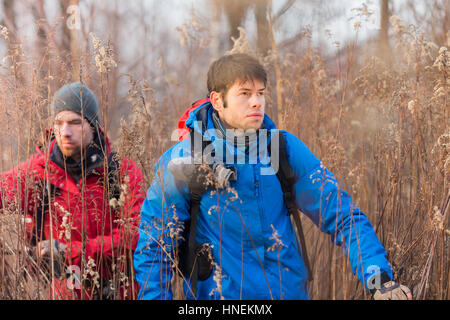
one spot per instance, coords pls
(80, 209)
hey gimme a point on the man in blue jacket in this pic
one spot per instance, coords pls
(243, 223)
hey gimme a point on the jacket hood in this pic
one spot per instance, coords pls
(229, 148)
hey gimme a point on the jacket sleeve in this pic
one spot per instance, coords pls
(163, 214)
(320, 197)
(124, 233)
(14, 184)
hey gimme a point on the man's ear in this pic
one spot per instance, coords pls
(89, 134)
(216, 100)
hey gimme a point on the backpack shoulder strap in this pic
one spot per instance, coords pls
(287, 179)
(42, 207)
(191, 262)
(286, 176)
(114, 174)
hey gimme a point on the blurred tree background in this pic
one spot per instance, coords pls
(364, 83)
(148, 36)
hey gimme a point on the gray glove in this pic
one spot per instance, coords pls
(43, 249)
(183, 170)
(391, 290)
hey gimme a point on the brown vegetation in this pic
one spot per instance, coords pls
(380, 123)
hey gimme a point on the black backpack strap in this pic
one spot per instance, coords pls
(193, 261)
(287, 179)
(192, 246)
(42, 207)
(113, 175)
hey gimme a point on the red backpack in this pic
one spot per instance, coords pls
(183, 131)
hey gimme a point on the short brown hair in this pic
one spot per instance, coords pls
(224, 72)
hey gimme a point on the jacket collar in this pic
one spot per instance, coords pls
(57, 175)
(93, 159)
(226, 147)
(46, 143)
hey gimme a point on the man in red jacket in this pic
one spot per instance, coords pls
(81, 204)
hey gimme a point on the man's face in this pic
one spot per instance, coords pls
(72, 133)
(243, 105)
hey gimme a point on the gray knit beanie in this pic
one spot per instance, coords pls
(77, 97)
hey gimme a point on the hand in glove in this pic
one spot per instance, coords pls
(43, 249)
(391, 290)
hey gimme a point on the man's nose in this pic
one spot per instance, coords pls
(65, 130)
(256, 101)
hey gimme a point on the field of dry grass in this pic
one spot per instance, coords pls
(381, 124)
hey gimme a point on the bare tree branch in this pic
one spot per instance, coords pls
(283, 10)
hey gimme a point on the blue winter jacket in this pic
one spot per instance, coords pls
(253, 241)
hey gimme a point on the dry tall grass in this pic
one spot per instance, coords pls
(381, 126)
